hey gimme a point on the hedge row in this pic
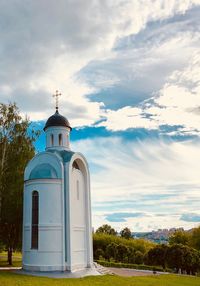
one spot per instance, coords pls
(101, 240)
(132, 266)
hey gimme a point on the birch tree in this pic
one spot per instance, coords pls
(16, 149)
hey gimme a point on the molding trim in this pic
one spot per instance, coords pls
(42, 181)
(42, 251)
(29, 267)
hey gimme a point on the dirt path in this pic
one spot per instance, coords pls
(132, 272)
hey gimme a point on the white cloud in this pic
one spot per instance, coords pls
(179, 100)
(177, 104)
(127, 117)
(141, 64)
(44, 44)
(152, 177)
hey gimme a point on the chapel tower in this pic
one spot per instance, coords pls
(57, 233)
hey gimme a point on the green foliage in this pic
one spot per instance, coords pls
(191, 260)
(157, 255)
(16, 149)
(136, 252)
(101, 240)
(179, 237)
(139, 257)
(195, 238)
(120, 249)
(16, 260)
(99, 253)
(177, 257)
(131, 255)
(191, 239)
(111, 251)
(107, 229)
(1, 246)
(122, 252)
(184, 258)
(126, 233)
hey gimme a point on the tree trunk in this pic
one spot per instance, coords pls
(2, 164)
(10, 255)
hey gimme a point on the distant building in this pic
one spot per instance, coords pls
(158, 236)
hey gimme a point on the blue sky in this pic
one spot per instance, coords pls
(129, 72)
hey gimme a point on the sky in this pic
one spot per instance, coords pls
(129, 74)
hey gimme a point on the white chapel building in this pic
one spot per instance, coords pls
(57, 233)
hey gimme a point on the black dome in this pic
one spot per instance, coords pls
(57, 120)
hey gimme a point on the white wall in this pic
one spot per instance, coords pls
(48, 256)
(78, 221)
(57, 236)
(55, 131)
(45, 157)
(79, 244)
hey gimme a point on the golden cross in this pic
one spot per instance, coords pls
(56, 95)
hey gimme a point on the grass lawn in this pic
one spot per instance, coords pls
(17, 259)
(11, 279)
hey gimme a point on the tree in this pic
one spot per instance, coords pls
(175, 257)
(111, 251)
(126, 233)
(131, 255)
(122, 252)
(99, 253)
(107, 229)
(139, 257)
(157, 255)
(191, 260)
(179, 237)
(16, 149)
(195, 238)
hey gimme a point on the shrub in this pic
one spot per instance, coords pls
(101, 240)
(139, 257)
(99, 253)
(157, 255)
(111, 251)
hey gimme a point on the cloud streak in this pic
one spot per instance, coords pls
(150, 177)
(191, 217)
(121, 217)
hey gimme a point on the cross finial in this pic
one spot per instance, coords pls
(56, 95)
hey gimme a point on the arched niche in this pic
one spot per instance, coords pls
(44, 165)
(43, 171)
(80, 213)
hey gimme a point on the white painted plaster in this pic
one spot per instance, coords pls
(65, 233)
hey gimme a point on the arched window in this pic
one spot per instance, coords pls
(52, 140)
(75, 165)
(60, 139)
(35, 220)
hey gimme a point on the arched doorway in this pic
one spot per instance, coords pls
(79, 218)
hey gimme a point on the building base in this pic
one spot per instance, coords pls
(60, 274)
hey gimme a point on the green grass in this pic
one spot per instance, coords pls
(17, 259)
(11, 279)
